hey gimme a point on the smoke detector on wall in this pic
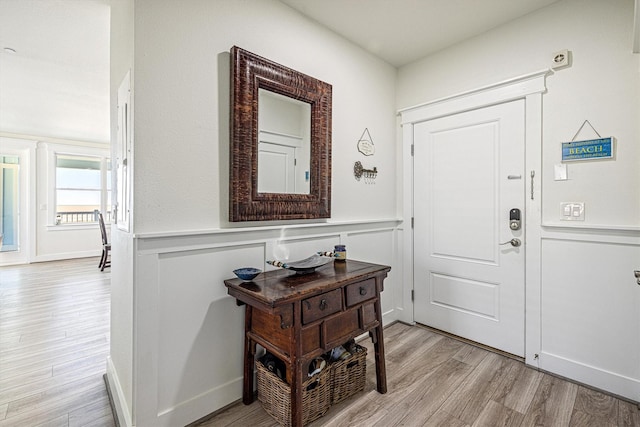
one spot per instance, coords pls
(561, 59)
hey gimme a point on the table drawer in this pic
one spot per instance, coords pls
(322, 305)
(361, 291)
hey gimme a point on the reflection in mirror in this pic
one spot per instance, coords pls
(284, 128)
(277, 115)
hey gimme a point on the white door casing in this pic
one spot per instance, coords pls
(123, 156)
(471, 175)
(24, 215)
(530, 88)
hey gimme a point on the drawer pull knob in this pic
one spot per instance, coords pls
(323, 304)
(363, 290)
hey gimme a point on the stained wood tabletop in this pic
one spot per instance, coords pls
(278, 286)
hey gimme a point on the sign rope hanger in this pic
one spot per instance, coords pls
(590, 125)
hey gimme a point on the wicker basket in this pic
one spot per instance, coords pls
(348, 376)
(275, 396)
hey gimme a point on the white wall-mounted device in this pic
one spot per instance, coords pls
(561, 59)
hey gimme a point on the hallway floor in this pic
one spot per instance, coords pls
(54, 341)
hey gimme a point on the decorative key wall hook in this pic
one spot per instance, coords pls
(360, 172)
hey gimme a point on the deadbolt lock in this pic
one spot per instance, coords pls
(514, 219)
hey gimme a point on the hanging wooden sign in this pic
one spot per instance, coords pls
(590, 149)
(365, 143)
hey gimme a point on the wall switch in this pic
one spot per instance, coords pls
(560, 172)
(572, 211)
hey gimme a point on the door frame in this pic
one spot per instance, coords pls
(529, 87)
(26, 151)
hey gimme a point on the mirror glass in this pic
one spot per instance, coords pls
(284, 130)
(280, 150)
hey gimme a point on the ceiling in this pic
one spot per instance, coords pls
(56, 84)
(403, 31)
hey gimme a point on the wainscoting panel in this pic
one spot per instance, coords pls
(200, 325)
(188, 333)
(379, 247)
(591, 311)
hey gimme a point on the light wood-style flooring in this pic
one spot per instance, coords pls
(54, 341)
(435, 380)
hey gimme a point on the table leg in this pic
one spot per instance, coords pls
(378, 346)
(296, 393)
(249, 358)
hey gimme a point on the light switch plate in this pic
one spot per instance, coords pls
(572, 211)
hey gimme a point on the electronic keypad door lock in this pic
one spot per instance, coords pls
(514, 219)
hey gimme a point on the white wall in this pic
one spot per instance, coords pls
(602, 86)
(41, 240)
(170, 311)
(586, 299)
(62, 242)
(168, 288)
(120, 364)
(54, 89)
(182, 112)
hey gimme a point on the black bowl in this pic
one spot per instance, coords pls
(247, 273)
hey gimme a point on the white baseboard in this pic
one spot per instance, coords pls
(66, 255)
(121, 412)
(200, 406)
(181, 414)
(610, 382)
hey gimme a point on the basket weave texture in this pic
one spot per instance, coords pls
(275, 396)
(348, 376)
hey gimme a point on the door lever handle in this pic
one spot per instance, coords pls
(513, 242)
(637, 274)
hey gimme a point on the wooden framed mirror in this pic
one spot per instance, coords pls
(280, 153)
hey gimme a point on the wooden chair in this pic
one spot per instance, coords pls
(105, 260)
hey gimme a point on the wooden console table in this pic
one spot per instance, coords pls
(300, 317)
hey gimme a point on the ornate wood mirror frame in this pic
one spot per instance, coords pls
(249, 73)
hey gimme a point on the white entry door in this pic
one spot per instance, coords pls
(468, 272)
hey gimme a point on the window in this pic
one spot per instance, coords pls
(82, 186)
